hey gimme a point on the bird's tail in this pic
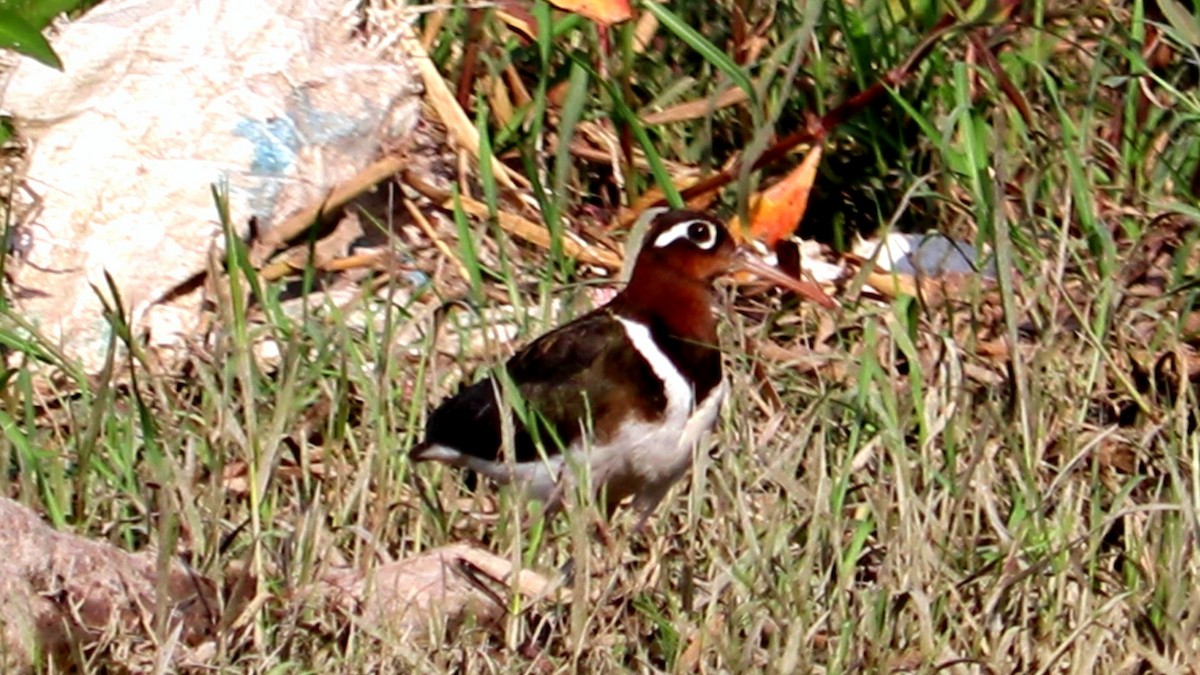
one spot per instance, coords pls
(420, 452)
(427, 451)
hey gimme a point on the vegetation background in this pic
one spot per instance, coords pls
(992, 478)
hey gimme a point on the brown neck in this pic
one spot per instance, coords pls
(678, 311)
(677, 303)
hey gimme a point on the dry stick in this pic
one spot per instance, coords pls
(643, 33)
(352, 262)
(499, 100)
(816, 130)
(281, 268)
(519, 92)
(456, 120)
(534, 233)
(338, 197)
(276, 270)
(698, 108)
(458, 124)
(453, 117)
(519, 227)
(1006, 84)
(819, 129)
(466, 77)
(831, 120)
(433, 26)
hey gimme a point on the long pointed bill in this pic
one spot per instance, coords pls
(750, 262)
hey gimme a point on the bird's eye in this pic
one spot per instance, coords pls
(701, 233)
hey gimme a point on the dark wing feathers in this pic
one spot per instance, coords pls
(585, 372)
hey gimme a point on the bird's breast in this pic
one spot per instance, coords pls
(659, 449)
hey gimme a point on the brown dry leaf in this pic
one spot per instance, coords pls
(449, 584)
(1119, 455)
(603, 136)
(235, 477)
(341, 195)
(647, 26)
(501, 102)
(807, 361)
(433, 26)
(777, 211)
(892, 284)
(331, 252)
(557, 94)
(697, 641)
(516, 225)
(520, 93)
(605, 12)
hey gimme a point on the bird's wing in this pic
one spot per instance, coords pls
(581, 374)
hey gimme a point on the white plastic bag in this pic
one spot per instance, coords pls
(161, 99)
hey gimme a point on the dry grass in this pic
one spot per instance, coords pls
(1004, 483)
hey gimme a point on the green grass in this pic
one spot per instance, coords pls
(912, 505)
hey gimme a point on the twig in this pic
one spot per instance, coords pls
(535, 233)
(518, 226)
(337, 198)
(442, 100)
(820, 127)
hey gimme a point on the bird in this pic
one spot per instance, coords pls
(623, 393)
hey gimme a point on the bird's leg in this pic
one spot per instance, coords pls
(645, 505)
(568, 571)
(611, 501)
(558, 496)
(644, 518)
(603, 532)
(554, 503)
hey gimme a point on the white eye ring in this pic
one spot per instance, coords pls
(683, 231)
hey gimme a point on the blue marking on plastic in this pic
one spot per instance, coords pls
(328, 126)
(275, 140)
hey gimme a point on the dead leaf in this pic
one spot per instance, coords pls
(777, 211)
(697, 641)
(1119, 455)
(447, 584)
(341, 195)
(647, 26)
(604, 12)
(501, 102)
(892, 284)
(460, 125)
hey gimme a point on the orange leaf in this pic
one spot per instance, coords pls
(605, 12)
(777, 210)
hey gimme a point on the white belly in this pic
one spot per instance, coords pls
(650, 456)
(647, 457)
